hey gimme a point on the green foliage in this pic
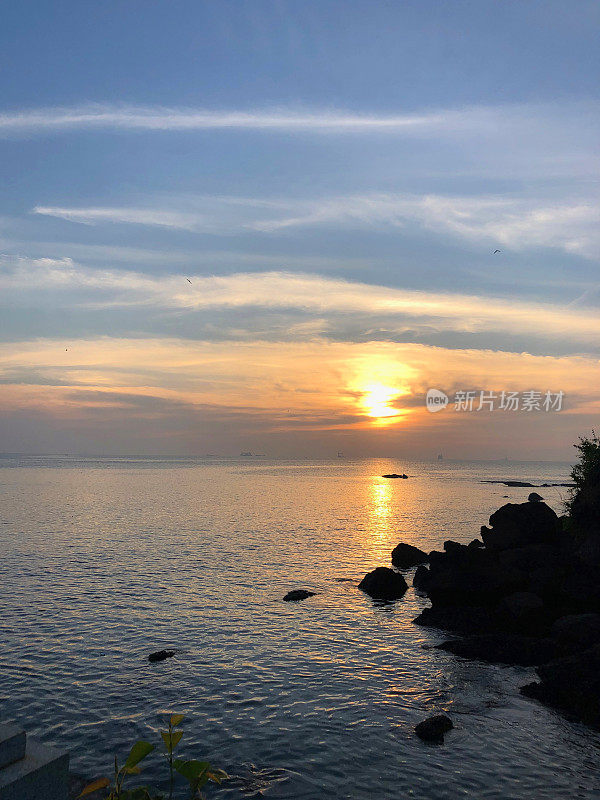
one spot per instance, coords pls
(584, 504)
(196, 773)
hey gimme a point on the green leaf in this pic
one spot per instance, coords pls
(138, 752)
(177, 719)
(100, 783)
(192, 770)
(217, 775)
(171, 739)
(176, 738)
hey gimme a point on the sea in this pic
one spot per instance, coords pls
(105, 560)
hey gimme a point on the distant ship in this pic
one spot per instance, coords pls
(340, 454)
(440, 457)
(246, 455)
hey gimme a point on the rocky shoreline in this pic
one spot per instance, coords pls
(526, 593)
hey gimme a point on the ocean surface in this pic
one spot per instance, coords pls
(106, 560)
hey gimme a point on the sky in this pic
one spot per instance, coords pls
(273, 225)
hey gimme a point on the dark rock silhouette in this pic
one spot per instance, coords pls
(161, 655)
(420, 578)
(503, 648)
(405, 556)
(434, 728)
(571, 684)
(394, 475)
(518, 524)
(298, 594)
(383, 583)
(531, 594)
(460, 619)
(576, 632)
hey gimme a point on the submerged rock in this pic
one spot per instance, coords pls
(383, 583)
(434, 728)
(405, 556)
(161, 655)
(298, 594)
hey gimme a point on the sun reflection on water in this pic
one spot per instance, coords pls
(380, 513)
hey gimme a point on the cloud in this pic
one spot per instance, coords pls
(49, 280)
(159, 118)
(572, 225)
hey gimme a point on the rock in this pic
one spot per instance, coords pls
(394, 475)
(420, 578)
(577, 631)
(405, 556)
(475, 544)
(521, 611)
(502, 648)
(462, 619)
(298, 594)
(434, 728)
(453, 547)
(161, 655)
(571, 684)
(534, 497)
(519, 524)
(383, 584)
(471, 577)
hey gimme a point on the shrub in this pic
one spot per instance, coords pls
(584, 504)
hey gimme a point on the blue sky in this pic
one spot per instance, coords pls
(332, 174)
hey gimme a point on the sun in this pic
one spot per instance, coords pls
(376, 401)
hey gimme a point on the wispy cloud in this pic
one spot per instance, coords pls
(315, 295)
(572, 225)
(487, 120)
(160, 118)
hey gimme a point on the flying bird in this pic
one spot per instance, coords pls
(188, 280)
(497, 251)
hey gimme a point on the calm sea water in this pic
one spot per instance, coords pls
(105, 560)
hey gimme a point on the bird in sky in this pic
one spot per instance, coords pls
(188, 280)
(497, 251)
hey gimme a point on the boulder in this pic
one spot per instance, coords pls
(405, 556)
(475, 544)
(455, 548)
(472, 578)
(462, 619)
(502, 648)
(577, 631)
(420, 578)
(521, 611)
(571, 684)
(161, 655)
(520, 524)
(383, 584)
(434, 728)
(534, 497)
(298, 594)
